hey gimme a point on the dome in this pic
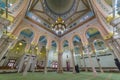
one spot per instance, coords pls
(59, 6)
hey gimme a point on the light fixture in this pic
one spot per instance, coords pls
(36, 48)
(20, 44)
(59, 26)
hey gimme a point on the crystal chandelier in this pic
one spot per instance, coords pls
(59, 27)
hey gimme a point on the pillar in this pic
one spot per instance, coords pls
(14, 43)
(98, 61)
(83, 59)
(59, 69)
(46, 61)
(90, 60)
(27, 47)
(113, 49)
(73, 61)
(84, 63)
(4, 49)
(110, 46)
(27, 67)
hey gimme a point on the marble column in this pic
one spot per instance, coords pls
(21, 63)
(59, 69)
(27, 47)
(73, 61)
(27, 67)
(85, 66)
(46, 61)
(5, 48)
(98, 60)
(90, 60)
(83, 58)
(14, 43)
(110, 46)
(114, 50)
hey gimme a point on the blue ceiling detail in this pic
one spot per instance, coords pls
(92, 35)
(65, 44)
(3, 4)
(76, 40)
(54, 44)
(43, 40)
(27, 33)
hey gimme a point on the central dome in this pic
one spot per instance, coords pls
(59, 6)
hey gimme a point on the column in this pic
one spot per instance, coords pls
(4, 49)
(14, 43)
(27, 67)
(21, 63)
(33, 63)
(27, 47)
(59, 69)
(117, 46)
(91, 62)
(84, 63)
(83, 59)
(98, 60)
(73, 61)
(110, 46)
(46, 61)
(113, 49)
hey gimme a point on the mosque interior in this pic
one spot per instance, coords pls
(72, 37)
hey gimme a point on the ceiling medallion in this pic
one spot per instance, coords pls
(63, 15)
(59, 27)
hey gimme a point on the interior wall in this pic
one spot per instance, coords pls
(67, 56)
(105, 61)
(52, 56)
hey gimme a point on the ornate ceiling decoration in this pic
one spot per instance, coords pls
(62, 8)
(73, 13)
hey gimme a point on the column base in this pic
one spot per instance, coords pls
(59, 71)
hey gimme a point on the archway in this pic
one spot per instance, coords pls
(66, 57)
(53, 56)
(99, 50)
(18, 48)
(41, 52)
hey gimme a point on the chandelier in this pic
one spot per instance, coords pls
(59, 26)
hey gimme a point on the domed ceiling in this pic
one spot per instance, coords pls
(59, 6)
(73, 12)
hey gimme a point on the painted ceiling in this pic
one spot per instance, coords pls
(72, 11)
(109, 2)
(3, 3)
(45, 13)
(59, 6)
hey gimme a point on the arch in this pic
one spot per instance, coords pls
(76, 34)
(27, 33)
(18, 49)
(99, 28)
(23, 27)
(76, 39)
(92, 32)
(65, 45)
(53, 43)
(100, 44)
(43, 40)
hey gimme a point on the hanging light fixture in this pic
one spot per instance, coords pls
(59, 27)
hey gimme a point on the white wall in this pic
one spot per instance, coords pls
(52, 56)
(64, 58)
(105, 61)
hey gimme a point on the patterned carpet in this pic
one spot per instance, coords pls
(64, 76)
